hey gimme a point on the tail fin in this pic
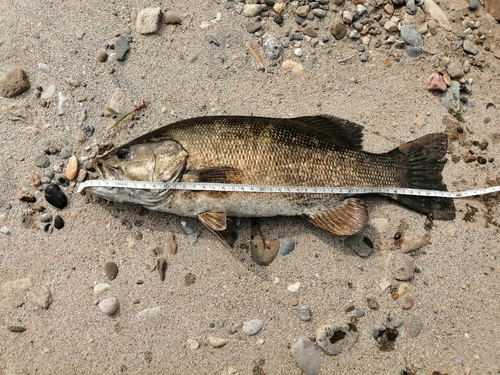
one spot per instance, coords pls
(424, 159)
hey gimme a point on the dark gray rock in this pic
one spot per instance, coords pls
(122, 47)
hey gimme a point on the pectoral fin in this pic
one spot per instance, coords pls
(346, 218)
(227, 235)
(215, 219)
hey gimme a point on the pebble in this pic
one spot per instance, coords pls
(71, 170)
(102, 56)
(451, 99)
(364, 57)
(65, 153)
(44, 68)
(411, 36)
(413, 326)
(408, 303)
(252, 27)
(272, 48)
(361, 245)
(252, 327)
(338, 30)
(171, 244)
(108, 305)
(473, 4)
(402, 289)
(470, 47)
(42, 161)
(40, 296)
(51, 90)
(17, 329)
(148, 21)
(307, 356)
(122, 47)
(172, 18)
(287, 245)
(411, 7)
(391, 26)
(293, 66)
(61, 103)
(217, 342)
(361, 10)
(111, 270)
(192, 344)
(293, 287)
(161, 265)
(251, 10)
(347, 17)
(303, 312)
(372, 303)
(147, 314)
(298, 52)
(414, 52)
(46, 218)
(192, 234)
(437, 14)
(394, 320)
(380, 224)
(405, 271)
(55, 196)
(101, 288)
(334, 340)
(15, 83)
(58, 222)
(320, 13)
(435, 82)
(5, 230)
(302, 10)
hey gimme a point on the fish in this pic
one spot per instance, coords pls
(318, 150)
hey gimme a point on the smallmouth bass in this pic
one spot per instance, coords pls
(308, 151)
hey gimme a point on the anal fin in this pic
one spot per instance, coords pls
(227, 236)
(346, 218)
(214, 219)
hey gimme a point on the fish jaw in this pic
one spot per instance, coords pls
(144, 197)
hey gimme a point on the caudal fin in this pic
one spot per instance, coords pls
(424, 159)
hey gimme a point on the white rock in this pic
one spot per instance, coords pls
(251, 10)
(5, 229)
(380, 224)
(40, 296)
(347, 17)
(101, 288)
(293, 287)
(192, 344)
(108, 305)
(62, 102)
(298, 52)
(437, 14)
(148, 21)
(51, 90)
(147, 314)
(252, 327)
(217, 342)
(307, 356)
(44, 67)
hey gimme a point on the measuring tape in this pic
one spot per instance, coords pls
(252, 188)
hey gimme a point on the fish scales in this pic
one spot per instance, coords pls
(308, 151)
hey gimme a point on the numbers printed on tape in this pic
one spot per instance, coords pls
(252, 188)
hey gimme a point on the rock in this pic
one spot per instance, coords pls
(380, 224)
(101, 288)
(251, 10)
(338, 30)
(253, 27)
(162, 267)
(122, 47)
(287, 245)
(148, 21)
(298, 52)
(405, 271)
(347, 17)
(51, 90)
(307, 356)
(252, 327)
(401, 290)
(13, 292)
(293, 287)
(272, 48)
(293, 66)
(473, 4)
(303, 312)
(102, 56)
(40, 296)
(436, 83)
(334, 340)
(435, 12)
(46, 218)
(389, 8)
(108, 305)
(263, 254)
(217, 342)
(408, 303)
(411, 8)
(470, 47)
(17, 329)
(361, 10)
(148, 314)
(71, 171)
(372, 303)
(414, 52)
(361, 244)
(192, 344)
(111, 270)
(302, 10)
(42, 161)
(5, 230)
(411, 36)
(55, 196)
(394, 320)
(309, 31)
(172, 18)
(171, 244)
(278, 7)
(44, 68)
(451, 99)
(391, 26)
(15, 83)
(320, 13)
(413, 325)
(58, 222)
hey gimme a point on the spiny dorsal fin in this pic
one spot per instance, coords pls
(215, 219)
(342, 132)
(344, 219)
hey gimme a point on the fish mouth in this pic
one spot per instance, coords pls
(107, 172)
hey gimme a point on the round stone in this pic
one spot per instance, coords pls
(252, 327)
(108, 305)
(251, 10)
(111, 270)
(42, 161)
(287, 245)
(102, 56)
(272, 48)
(55, 196)
(58, 222)
(172, 18)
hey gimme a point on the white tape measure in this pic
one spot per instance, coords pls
(251, 188)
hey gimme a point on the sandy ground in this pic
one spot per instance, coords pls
(455, 290)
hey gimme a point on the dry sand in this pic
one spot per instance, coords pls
(456, 289)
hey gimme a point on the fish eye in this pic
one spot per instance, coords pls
(122, 153)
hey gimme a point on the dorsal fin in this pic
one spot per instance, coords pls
(341, 132)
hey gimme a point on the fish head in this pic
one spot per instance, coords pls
(151, 161)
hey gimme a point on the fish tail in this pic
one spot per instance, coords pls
(424, 161)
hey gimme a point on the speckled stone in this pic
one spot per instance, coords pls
(15, 83)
